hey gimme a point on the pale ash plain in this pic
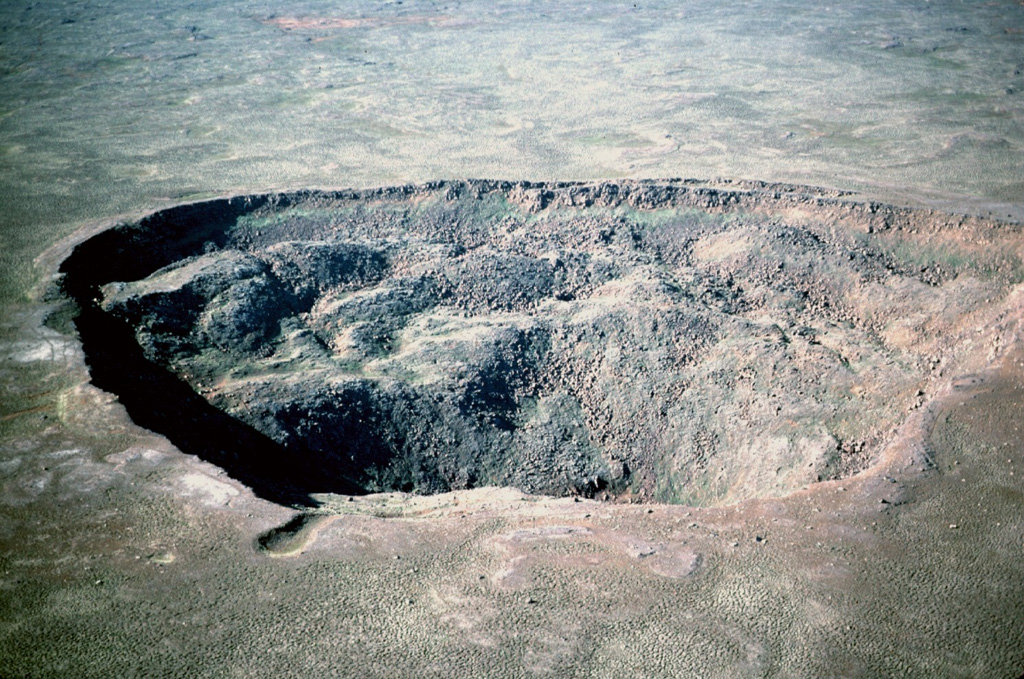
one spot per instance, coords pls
(125, 110)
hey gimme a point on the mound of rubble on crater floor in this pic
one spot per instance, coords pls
(673, 341)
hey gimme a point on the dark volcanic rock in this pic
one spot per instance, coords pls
(310, 269)
(227, 300)
(676, 341)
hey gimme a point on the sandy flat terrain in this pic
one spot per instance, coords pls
(122, 555)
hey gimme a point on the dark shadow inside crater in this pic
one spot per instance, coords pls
(157, 400)
(154, 397)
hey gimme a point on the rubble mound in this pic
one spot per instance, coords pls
(675, 341)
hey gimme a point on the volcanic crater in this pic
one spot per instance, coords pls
(671, 341)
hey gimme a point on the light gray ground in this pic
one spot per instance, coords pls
(119, 555)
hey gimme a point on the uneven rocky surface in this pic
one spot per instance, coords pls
(673, 341)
